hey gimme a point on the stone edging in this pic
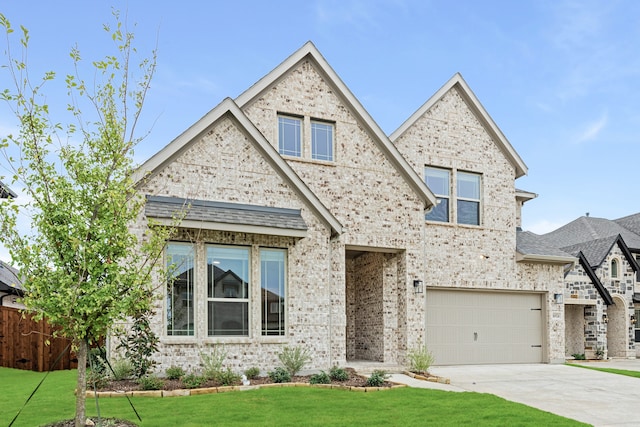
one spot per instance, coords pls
(433, 379)
(211, 390)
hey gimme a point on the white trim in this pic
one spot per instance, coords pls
(476, 107)
(547, 259)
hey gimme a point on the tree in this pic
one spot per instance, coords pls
(82, 267)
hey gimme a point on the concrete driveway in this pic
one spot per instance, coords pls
(585, 395)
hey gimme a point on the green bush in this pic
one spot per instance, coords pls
(579, 356)
(122, 369)
(174, 372)
(252, 372)
(294, 358)
(96, 379)
(212, 363)
(280, 375)
(228, 377)
(193, 380)
(96, 360)
(377, 378)
(321, 378)
(150, 382)
(140, 344)
(420, 359)
(338, 374)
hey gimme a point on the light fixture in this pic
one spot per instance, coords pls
(633, 319)
(418, 286)
(558, 298)
(605, 319)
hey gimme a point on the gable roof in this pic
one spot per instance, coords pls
(228, 108)
(5, 192)
(478, 110)
(602, 290)
(586, 229)
(309, 52)
(631, 223)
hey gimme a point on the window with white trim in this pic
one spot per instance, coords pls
(321, 141)
(180, 286)
(228, 279)
(273, 276)
(466, 207)
(290, 136)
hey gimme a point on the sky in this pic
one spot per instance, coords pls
(560, 78)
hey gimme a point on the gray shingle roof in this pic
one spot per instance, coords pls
(222, 212)
(9, 276)
(528, 243)
(631, 223)
(595, 251)
(585, 229)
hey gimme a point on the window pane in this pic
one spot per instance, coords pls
(273, 279)
(289, 136)
(614, 268)
(228, 318)
(440, 212)
(321, 141)
(468, 212)
(180, 289)
(437, 180)
(227, 272)
(468, 185)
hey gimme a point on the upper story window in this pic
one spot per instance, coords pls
(438, 181)
(290, 136)
(614, 268)
(467, 205)
(321, 141)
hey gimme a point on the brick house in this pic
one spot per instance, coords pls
(304, 224)
(601, 291)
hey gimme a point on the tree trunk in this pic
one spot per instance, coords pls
(81, 387)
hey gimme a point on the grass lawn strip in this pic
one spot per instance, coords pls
(271, 406)
(635, 374)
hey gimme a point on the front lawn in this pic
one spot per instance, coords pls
(273, 406)
(635, 374)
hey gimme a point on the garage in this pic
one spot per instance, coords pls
(480, 327)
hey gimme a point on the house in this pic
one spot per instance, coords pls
(601, 289)
(305, 224)
(10, 286)
(5, 192)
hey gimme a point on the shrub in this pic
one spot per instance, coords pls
(212, 363)
(174, 372)
(377, 378)
(294, 358)
(280, 375)
(96, 379)
(252, 372)
(321, 378)
(338, 374)
(599, 352)
(420, 359)
(96, 360)
(150, 382)
(578, 356)
(228, 377)
(140, 344)
(121, 369)
(193, 380)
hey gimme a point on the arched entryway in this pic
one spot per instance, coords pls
(617, 336)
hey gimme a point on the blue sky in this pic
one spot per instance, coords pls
(560, 78)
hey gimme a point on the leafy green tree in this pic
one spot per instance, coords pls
(82, 266)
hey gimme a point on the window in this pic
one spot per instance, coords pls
(289, 136)
(273, 282)
(438, 181)
(637, 325)
(180, 282)
(614, 268)
(638, 275)
(468, 204)
(321, 141)
(228, 281)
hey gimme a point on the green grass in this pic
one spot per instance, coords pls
(287, 406)
(635, 374)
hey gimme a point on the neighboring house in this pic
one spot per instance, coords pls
(304, 224)
(10, 286)
(5, 192)
(601, 289)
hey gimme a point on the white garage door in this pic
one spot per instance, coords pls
(471, 327)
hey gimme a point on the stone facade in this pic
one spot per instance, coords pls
(349, 292)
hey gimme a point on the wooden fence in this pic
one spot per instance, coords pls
(23, 344)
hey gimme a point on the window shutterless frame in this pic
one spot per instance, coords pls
(290, 136)
(180, 302)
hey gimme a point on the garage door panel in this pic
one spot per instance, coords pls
(469, 327)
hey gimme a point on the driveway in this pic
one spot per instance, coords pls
(585, 395)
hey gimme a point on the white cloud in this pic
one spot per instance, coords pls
(592, 130)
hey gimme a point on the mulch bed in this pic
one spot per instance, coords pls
(354, 380)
